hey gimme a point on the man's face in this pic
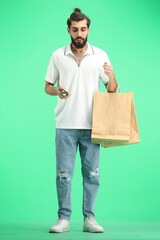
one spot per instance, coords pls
(79, 32)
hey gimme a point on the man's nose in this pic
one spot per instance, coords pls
(79, 33)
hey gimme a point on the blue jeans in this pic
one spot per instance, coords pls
(67, 141)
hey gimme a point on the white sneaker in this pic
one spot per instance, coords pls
(62, 225)
(90, 225)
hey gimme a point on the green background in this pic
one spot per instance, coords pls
(130, 175)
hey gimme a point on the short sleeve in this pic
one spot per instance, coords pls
(52, 74)
(103, 76)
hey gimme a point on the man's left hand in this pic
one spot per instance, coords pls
(109, 70)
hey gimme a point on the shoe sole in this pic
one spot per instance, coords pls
(58, 230)
(93, 231)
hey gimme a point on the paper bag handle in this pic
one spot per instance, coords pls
(118, 88)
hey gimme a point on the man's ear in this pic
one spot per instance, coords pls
(68, 30)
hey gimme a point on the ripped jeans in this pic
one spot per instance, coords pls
(67, 141)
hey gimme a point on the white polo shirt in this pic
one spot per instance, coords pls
(81, 80)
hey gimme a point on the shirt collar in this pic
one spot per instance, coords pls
(68, 50)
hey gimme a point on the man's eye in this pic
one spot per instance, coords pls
(75, 30)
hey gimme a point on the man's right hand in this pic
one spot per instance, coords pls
(60, 94)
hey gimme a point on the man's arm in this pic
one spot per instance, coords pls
(111, 86)
(50, 89)
(55, 91)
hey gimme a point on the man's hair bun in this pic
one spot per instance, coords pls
(77, 10)
(77, 16)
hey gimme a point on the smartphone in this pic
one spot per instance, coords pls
(64, 92)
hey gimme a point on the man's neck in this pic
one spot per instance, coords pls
(79, 50)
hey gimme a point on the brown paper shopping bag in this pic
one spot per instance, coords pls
(114, 120)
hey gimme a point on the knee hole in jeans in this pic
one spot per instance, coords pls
(96, 173)
(63, 175)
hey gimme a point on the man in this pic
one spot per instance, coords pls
(78, 68)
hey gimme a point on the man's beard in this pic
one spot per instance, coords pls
(79, 44)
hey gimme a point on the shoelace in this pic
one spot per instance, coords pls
(60, 221)
(93, 222)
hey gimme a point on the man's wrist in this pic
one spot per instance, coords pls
(112, 84)
(56, 90)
